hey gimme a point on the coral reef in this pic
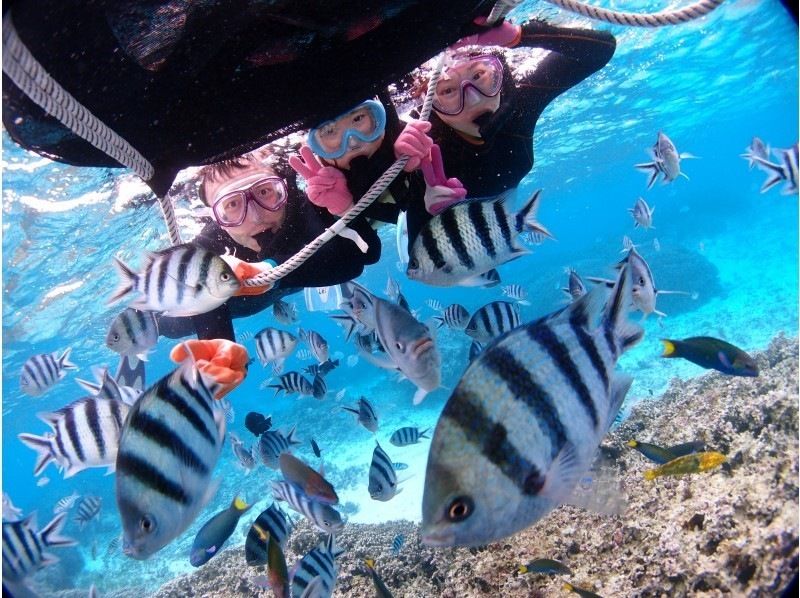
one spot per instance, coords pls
(731, 531)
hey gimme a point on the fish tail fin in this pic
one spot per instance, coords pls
(632, 443)
(650, 475)
(51, 533)
(370, 563)
(525, 219)
(424, 433)
(90, 387)
(128, 281)
(439, 321)
(774, 170)
(670, 348)
(652, 168)
(43, 448)
(239, 505)
(616, 312)
(64, 362)
(290, 436)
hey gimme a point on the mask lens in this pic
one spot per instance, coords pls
(229, 210)
(269, 193)
(364, 124)
(483, 74)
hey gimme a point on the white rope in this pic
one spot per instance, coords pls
(501, 9)
(31, 77)
(658, 19)
(35, 82)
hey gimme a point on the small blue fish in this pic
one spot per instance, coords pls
(400, 466)
(397, 543)
(216, 531)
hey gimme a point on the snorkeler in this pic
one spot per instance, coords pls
(346, 155)
(260, 215)
(484, 122)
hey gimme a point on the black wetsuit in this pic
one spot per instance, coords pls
(504, 154)
(339, 260)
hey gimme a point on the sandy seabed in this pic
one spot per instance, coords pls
(729, 532)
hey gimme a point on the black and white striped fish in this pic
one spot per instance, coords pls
(66, 503)
(272, 522)
(170, 444)
(517, 293)
(41, 372)
(315, 574)
(88, 508)
(319, 388)
(285, 313)
(324, 517)
(642, 214)
(408, 435)
(133, 332)
(666, 161)
(454, 316)
(114, 545)
(323, 369)
(86, 434)
(293, 382)
(525, 420)
(272, 443)
(183, 280)
(382, 476)
(274, 345)
(575, 288)
(756, 149)
(470, 238)
(243, 454)
(107, 387)
(365, 414)
(317, 344)
(785, 170)
(492, 320)
(24, 546)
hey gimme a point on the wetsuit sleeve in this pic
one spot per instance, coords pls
(575, 54)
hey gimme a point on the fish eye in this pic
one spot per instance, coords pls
(115, 337)
(460, 508)
(225, 277)
(146, 524)
(641, 280)
(399, 346)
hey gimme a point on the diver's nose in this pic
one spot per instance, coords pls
(471, 96)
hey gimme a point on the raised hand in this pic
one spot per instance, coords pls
(505, 34)
(326, 185)
(414, 142)
(440, 191)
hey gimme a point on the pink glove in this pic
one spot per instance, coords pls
(326, 186)
(414, 142)
(506, 34)
(440, 192)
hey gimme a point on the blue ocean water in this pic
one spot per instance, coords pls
(710, 85)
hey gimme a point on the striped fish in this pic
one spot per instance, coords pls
(492, 320)
(293, 382)
(88, 508)
(454, 316)
(272, 522)
(319, 387)
(408, 435)
(323, 369)
(66, 503)
(525, 420)
(642, 214)
(285, 313)
(243, 454)
(315, 574)
(517, 293)
(113, 546)
(365, 414)
(470, 238)
(41, 372)
(107, 387)
(133, 332)
(317, 344)
(756, 149)
(274, 345)
(666, 161)
(575, 288)
(24, 546)
(85, 434)
(434, 304)
(183, 280)
(170, 444)
(399, 466)
(397, 543)
(272, 443)
(784, 170)
(324, 517)
(382, 477)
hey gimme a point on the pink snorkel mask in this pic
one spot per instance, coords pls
(482, 74)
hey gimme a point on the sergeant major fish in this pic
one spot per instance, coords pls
(409, 345)
(133, 332)
(666, 161)
(492, 320)
(408, 435)
(41, 372)
(642, 214)
(575, 288)
(293, 382)
(517, 293)
(756, 149)
(184, 280)
(88, 508)
(317, 344)
(525, 420)
(365, 414)
(271, 523)
(243, 454)
(274, 345)
(315, 573)
(382, 477)
(285, 313)
(454, 316)
(24, 546)
(785, 170)
(272, 443)
(164, 470)
(324, 517)
(470, 238)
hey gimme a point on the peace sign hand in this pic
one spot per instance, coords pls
(326, 186)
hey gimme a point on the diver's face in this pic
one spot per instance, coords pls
(257, 219)
(475, 105)
(348, 132)
(357, 149)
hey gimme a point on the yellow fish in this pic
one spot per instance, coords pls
(693, 463)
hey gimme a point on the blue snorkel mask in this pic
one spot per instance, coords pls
(363, 124)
